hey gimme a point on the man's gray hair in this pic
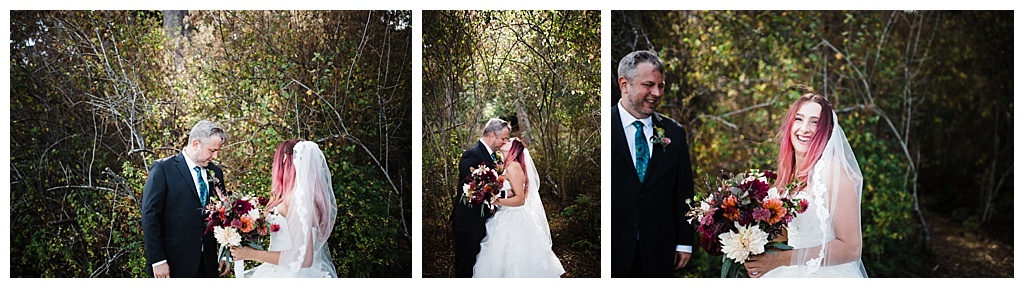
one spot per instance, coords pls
(627, 66)
(204, 129)
(494, 125)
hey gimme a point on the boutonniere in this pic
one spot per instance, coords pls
(499, 165)
(659, 138)
(211, 179)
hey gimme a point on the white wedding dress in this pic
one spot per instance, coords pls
(806, 232)
(826, 239)
(518, 241)
(279, 241)
(311, 196)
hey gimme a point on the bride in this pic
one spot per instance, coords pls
(302, 216)
(518, 241)
(826, 239)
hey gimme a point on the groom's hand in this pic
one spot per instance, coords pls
(162, 271)
(223, 267)
(681, 259)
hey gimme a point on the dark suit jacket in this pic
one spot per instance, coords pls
(465, 218)
(173, 222)
(654, 209)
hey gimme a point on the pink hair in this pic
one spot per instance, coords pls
(515, 153)
(788, 169)
(283, 173)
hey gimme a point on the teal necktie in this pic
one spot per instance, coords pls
(493, 157)
(202, 186)
(642, 152)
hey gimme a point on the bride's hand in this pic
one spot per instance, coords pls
(759, 264)
(242, 253)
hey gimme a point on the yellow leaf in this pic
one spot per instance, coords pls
(309, 92)
(839, 56)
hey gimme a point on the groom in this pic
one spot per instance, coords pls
(651, 177)
(467, 222)
(173, 222)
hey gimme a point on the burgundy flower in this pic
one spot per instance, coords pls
(275, 227)
(241, 207)
(709, 241)
(770, 175)
(757, 188)
(263, 201)
(803, 206)
(746, 219)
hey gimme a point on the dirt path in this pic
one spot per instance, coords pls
(965, 252)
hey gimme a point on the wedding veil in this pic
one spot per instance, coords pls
(311, 213)
(836, 183)
(533, 202)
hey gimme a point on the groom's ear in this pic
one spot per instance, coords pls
(623, 82)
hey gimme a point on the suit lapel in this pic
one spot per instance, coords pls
(481, 151)
(186, 175)
(652, 164)
(619, 139)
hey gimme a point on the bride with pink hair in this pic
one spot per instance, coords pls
(303, 207)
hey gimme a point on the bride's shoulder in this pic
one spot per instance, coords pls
(513, 167)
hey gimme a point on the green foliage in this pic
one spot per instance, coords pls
(731, 75)
(99, 95)
(585, 214)
(540, 70)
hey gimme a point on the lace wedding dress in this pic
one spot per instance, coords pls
(826, 239)
(518, 241)
(310, 220)
(280, 241)
(806, 232)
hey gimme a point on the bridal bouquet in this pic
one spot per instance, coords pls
(742, 217)
(483, 186)
(236, 221)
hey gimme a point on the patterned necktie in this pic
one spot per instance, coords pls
(642, 152)
(493, 157)
(202, 186)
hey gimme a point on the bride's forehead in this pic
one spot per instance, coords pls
(809, 108)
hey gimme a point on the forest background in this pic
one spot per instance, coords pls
(541, 71)
(925, 98)
(97, 96)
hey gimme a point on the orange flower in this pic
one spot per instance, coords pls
(774, 205)
(222, 213)
(729, 208)
(247, 224)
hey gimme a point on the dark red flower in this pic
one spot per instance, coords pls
(275, 227)
(757, 188)
(263, 201)
(241, 207)
(770, 175)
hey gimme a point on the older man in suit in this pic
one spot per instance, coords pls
(173, 222)
(468, 222)
(651, 176)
